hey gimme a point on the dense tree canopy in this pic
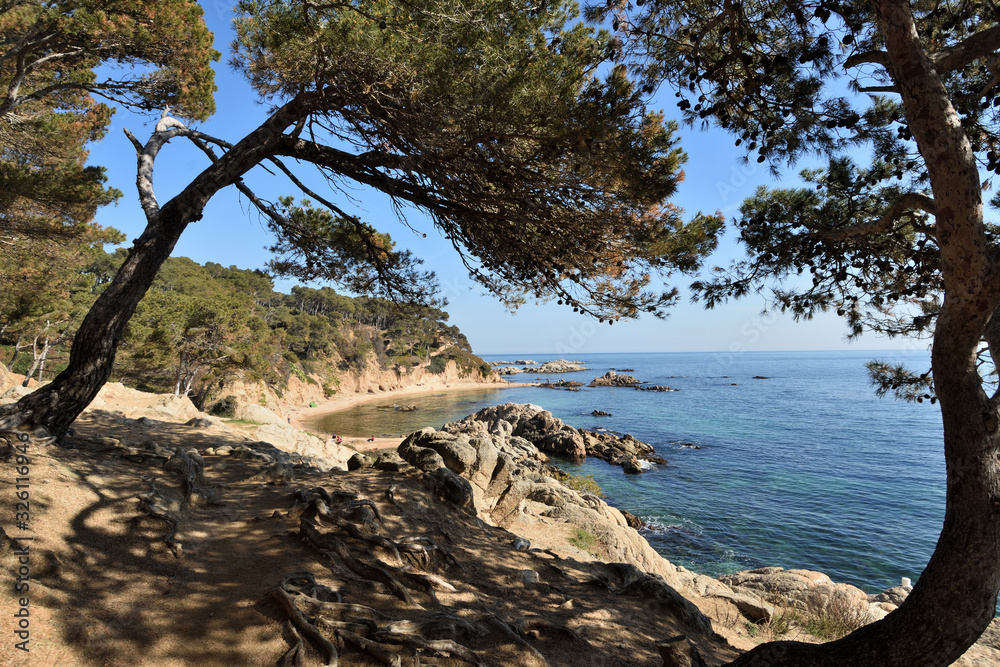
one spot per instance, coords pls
(500, 124)
(153, 54)
(900, 100)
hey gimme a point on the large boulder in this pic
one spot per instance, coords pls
(455, 451)
(258, 413)
(289, 439)
(801, 589)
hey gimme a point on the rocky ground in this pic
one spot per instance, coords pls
(164, 537)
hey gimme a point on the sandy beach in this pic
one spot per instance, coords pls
(305, 417)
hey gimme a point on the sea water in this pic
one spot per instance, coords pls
(784, 459)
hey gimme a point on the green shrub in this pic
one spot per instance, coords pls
(581, 483)
(834, 617)
(245, 422)
(224, 407)
(438, 365)
(584, 539)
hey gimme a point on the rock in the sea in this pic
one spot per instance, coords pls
(612, 379)
(562, 384)
(558, 366)
(630, 465)
(633, 521)
(657, 387)
(623, 450)
(601, 413)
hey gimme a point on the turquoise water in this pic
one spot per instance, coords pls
(804, 469)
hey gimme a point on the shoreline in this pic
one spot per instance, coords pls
(305, 418)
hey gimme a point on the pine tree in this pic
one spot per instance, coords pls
(902, 99)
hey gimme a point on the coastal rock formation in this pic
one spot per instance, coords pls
(601, 413)
(623, 450)
(510, 483)
(234, 537)
(656, 387)
(809, 591)
(569, 385)
(551, 436)
(519, 362)
(558, 366)
(612, 379)
(547, 368)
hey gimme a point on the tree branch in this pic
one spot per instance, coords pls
(983, 43)
(908, 202)
(868, 58)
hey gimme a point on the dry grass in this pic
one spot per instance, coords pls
(834, 616)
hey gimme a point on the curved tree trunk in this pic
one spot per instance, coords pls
(55, 406)
(52, 408)
(955, 597)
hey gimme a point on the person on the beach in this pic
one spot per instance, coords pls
(371, 439)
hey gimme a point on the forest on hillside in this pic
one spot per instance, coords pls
(200, 325)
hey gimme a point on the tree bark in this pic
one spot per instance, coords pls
(956, 595)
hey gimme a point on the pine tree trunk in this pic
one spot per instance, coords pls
(955, 598)
(55, 406)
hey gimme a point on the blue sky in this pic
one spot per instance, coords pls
(231, 234)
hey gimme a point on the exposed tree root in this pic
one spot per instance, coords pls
(294, 656)
(328, 544)
(445, 646)
(534, 626)
(357, 626)
(514, 637)
(376, 540)
(299, 620)
(305, 583)
(341, 527)
(155, 506)
(190, 468)
(372, 648)
(425, 553)
(439, 625)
